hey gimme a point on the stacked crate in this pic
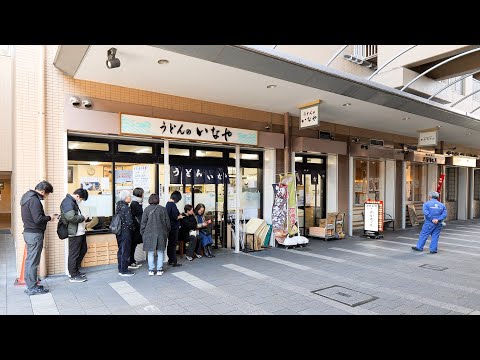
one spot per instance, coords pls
(101, 250)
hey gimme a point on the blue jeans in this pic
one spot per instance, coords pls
(151, 260)
(205, 239)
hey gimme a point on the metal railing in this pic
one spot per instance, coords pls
(365, 52)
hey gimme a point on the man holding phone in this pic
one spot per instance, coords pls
(77, 240)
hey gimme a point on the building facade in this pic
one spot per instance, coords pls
(55, 135)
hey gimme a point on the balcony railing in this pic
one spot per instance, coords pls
(365, 52)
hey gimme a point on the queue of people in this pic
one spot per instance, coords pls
(157, 227)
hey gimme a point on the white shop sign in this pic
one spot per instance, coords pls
(371, 217)
(165, 128)
(428, 138)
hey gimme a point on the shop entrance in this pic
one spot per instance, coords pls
(311, 176)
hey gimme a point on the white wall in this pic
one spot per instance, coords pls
(269, 162)
(350, 195)
(389, 203)
(332, 183)
(6, 147)
(462, 193)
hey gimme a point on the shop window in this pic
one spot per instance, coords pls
(86, 145)
(416, 182)
(208, 153)
(136, 149)
(374, 181)
(408, 182)
(476, 185)
(451, 184)
(177, 152)
(360, 183)
(129, 176)
(249, 156)
(96, 178)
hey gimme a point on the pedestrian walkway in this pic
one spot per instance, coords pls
(353, 276)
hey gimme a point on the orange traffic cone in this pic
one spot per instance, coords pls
(21, 280)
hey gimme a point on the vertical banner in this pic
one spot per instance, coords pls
(298, 176)
(187, 176)
(210, 176)
(440, 183)
(199, 176)
(292, 221)
(279, 212)
(314, 177)
(219, 174)
(175, 174)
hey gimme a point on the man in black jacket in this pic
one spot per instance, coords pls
(34, 225)
(77, 240)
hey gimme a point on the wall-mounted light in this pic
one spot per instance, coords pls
(75, 101)
(87, 104)
(364, 146)
(112, 62)
(355, 139)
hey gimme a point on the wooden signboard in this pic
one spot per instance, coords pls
(412, 214)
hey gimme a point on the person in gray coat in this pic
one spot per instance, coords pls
(154, 229)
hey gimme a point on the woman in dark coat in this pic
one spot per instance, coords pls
(124, 239)
(154, 229)
(137, 212)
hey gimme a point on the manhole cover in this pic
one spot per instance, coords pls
(433, 267)
(345, 295)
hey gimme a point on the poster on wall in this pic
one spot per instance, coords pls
(90, 183)
(123, 176)
(141, 177)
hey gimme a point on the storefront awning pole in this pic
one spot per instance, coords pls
(166, 175)
(238, 191)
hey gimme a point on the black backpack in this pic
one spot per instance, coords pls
(116, 225)
(62, 229)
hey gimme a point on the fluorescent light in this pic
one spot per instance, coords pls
(94, 163)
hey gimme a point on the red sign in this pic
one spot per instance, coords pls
(440, 183)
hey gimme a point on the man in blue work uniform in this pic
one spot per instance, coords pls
(435, 212)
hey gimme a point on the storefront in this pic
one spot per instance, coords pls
(316, 163)
(374, 170)
(422, 170)
(456, 186)
(203, 172)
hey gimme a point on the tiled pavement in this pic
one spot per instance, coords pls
(277, 281)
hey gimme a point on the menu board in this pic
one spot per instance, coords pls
(373, 216)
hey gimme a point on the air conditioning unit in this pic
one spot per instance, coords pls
(376, 142)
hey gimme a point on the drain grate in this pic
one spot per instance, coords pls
(345, 295)
(433, 267)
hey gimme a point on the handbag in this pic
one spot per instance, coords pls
(116, 225)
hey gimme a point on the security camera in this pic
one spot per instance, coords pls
(75, 101)
(87, 104)
(267, 127)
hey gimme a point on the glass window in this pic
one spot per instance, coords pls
(177, 152)
(246, 156)
(96, 178)
(374, 181)
(476, 185)
(476, 86)
(451, 185)
(208, 153)
(360, 182)
(420, 182)
(84, 145)
(408, 183)
(129, 176)
(135, 149)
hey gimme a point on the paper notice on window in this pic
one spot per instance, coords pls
(105, 183)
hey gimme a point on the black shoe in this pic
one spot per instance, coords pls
(36, 291)
(176, 265)
(210, 250)
(433, 252)
(170, 263)
(206, 252)
(416, 249)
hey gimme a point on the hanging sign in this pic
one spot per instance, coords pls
(373, 211)
(309, 115)
(428, 137)
(165, 128)
(440, 183)
(175, 174)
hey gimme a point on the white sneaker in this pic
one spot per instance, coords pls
(198, 256)
(189, 258)
(134, 266)
(129, 273)
(151, 273)
(159, 272)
